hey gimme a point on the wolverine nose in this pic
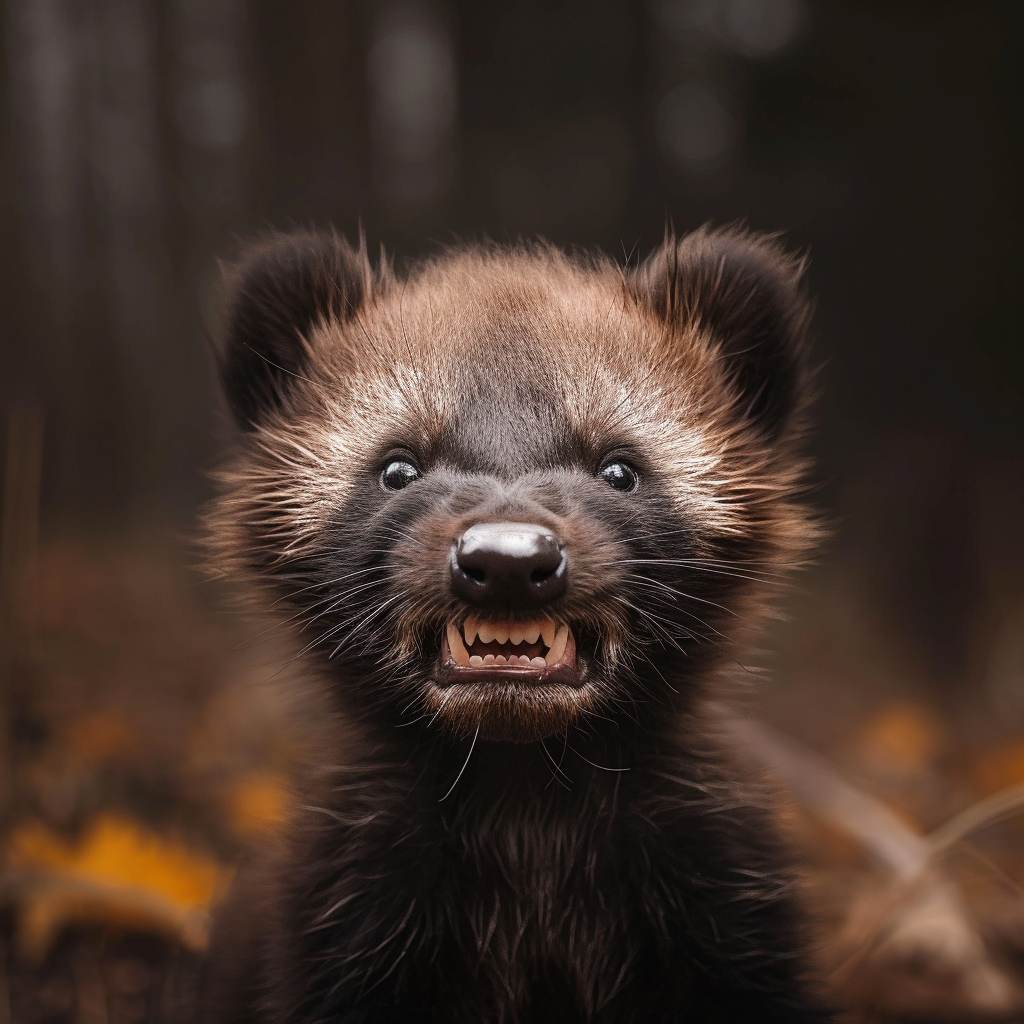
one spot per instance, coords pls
(508, 564)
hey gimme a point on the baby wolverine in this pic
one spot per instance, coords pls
(521, 507)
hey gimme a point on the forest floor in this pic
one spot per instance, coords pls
(146, 748)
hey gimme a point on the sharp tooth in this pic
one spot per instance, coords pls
(469, 628)
(547, 632)
(485, 631)
(501, 632)
(531, 632)
(459, 653)
(558, 647)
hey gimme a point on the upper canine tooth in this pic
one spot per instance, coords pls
(459, 653)
(547, 631)
(469, 629)
(558, 647)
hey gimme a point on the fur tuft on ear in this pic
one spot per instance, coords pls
(282, 287)
(745, 290)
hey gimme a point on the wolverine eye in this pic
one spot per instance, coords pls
(398, 474)
(620, 476)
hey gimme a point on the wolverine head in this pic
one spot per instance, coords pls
(514, 492)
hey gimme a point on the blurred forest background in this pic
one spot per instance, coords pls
(144, 139)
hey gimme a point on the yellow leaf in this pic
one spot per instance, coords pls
(118, 851)
(904, 735)
(999, 768)
(116, 872)
(257, 803)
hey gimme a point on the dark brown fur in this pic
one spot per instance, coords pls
(521, 853)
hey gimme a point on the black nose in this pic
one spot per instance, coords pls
(508, 565)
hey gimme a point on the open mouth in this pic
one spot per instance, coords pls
(540, 650)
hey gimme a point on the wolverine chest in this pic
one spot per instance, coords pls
(550, 940)
(531, 912)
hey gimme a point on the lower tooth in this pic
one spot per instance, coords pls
(535, 663)
(488, 659)
(500, 659)
(476, 661)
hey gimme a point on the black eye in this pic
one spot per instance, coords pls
(398, 474)
(620, 476)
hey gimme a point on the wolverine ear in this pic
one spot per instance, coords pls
(282, 288)
(745, 291)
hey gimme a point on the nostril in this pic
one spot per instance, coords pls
(540, 575)
(478, 575)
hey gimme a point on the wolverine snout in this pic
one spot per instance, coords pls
(509, 566)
